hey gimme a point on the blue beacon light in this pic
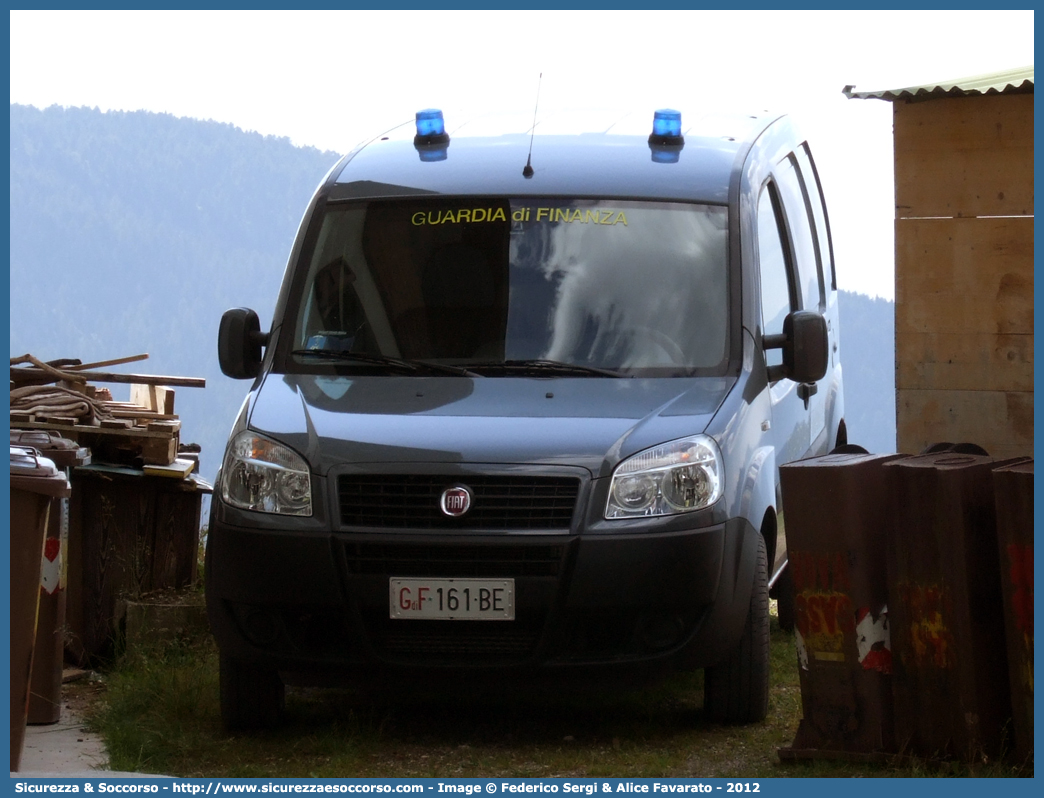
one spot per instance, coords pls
(430, 123)
(666, 140)
(431, 140)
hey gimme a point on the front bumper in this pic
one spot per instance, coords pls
(312, 600)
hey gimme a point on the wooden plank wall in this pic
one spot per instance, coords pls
(128, 535)
(964, 272)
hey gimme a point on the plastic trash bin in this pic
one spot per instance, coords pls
(45, 687)
(35, 483)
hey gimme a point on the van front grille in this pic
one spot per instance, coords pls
(409, 501)
(449, 642)
(494, 561)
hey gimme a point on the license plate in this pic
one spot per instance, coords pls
(453, 599)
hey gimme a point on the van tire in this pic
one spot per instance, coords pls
(252, 697)
(735, 691)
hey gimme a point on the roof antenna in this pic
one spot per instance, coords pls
(527, 170)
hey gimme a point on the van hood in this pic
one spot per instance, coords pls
(589, 422)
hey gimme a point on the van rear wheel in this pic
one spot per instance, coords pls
(736, 690)
(252, 697)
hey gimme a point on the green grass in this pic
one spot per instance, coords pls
(159, 714)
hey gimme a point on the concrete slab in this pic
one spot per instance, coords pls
(65, 748)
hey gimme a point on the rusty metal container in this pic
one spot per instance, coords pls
(45, 689)
(950, 666)
(1013, 492)
(35, 484)
(836, 510)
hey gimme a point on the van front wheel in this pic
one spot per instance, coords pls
(252, 697)
(736, 690)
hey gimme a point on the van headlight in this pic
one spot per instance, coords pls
(260, 474)
(676, 477)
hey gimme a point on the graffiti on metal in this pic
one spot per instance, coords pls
(822, 607)
(929, 607)
(1020, 561)
(827, 571)
(1020, 558)
(873, 640)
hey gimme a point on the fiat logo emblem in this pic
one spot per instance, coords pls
(455, 501)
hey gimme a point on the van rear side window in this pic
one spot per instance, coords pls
(636, 287)
(806, 247)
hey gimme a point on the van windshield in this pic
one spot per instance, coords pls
(633, 288)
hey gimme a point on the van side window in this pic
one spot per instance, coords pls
(778, 296)
(814, 190)
(799, 223)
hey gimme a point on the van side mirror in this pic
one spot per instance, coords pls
(239, 344)
(805, 346)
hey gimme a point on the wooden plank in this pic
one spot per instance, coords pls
(964, 361)
(963, 123)
(964, 184)
(130, 432)
(157, 398)
(179, 469)
(144, 415)
(132, 410)
(106, 363)
(964, 156)
(142, 396)
(60, 421)
(171, 427)
(159, 451)
(116, 423)
(28, 374)
(964, 275)
(999, 421)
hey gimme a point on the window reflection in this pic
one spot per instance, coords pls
(646, 289)
(611, 284)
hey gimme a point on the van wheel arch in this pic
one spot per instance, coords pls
(768, 532)
(842, 434)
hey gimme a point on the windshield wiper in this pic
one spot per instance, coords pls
(541, 367)
(385, 360)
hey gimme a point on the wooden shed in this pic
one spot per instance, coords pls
(964, 262)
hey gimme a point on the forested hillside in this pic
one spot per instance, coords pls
(133, 232)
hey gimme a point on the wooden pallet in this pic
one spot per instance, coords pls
(145, 427)
(155, 446)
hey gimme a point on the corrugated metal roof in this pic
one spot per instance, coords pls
(1012, 81)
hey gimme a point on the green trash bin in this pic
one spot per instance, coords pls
(35, 483)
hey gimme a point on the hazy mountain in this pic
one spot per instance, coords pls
(133, 232)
